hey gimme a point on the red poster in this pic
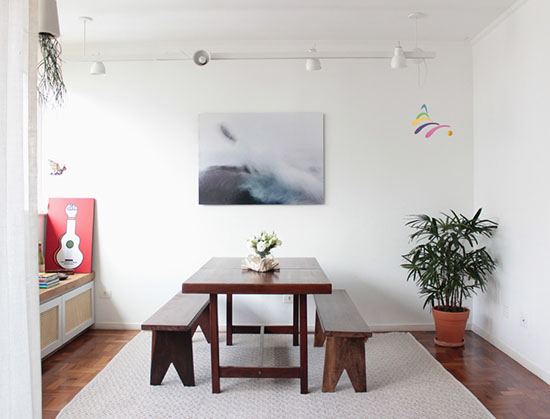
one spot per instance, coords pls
(69, 232)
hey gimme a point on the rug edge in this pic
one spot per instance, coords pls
(450, 374)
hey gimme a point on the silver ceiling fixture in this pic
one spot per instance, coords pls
(97, 68)
(201, 57)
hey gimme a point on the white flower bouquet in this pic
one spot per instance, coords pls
(262, 245)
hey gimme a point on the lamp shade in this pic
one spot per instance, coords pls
(201, 57)
(97, 69)
(48, 20)
(398, 60)
(313, 64)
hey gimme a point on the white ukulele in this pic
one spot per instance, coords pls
(68, 255)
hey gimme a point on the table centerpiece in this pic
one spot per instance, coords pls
(262, 245)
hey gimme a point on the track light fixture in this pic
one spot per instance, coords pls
(97, 68)
(398, 60)
(313, 64)
(201, 57)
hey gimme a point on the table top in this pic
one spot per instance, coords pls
(225, 276)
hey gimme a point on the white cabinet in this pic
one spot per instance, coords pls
(65, 316)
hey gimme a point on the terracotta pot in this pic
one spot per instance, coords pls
(450, 327)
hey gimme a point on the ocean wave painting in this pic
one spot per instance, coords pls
(261, 158)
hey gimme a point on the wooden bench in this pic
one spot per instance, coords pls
(338, 321)
(173, 326)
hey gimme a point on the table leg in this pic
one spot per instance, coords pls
(229, 333)
(214, 343)
(303, 344)
(295, 320)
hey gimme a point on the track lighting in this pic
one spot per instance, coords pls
(97, 69)
(201, 57)
(398, 60)
(313, 64)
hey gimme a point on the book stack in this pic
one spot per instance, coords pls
(48, 280)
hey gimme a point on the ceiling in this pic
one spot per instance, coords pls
(131, 21)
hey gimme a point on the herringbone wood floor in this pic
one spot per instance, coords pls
(505, 387)
(67, 371)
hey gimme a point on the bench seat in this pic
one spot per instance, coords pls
(173, 326)
(339, 322)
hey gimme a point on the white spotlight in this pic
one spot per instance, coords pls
(398, 60)
(98, 69)
(313, 64)
(201, 57)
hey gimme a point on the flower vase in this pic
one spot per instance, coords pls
(260, 264)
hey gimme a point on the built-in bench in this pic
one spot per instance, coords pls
(338, 321)
(173, 326)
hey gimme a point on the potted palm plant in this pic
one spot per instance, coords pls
(449, 265)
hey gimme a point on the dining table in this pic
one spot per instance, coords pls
(296, 276)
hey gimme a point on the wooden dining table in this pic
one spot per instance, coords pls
(296, 276)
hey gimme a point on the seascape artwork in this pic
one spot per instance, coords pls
(261, 158)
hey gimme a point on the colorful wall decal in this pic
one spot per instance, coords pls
(423, 120)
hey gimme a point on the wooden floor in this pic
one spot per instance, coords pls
(506, 388)
(67, 371)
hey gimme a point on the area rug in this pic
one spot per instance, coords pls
(403, 380)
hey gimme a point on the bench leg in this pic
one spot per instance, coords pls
(319, 339)
(204, 323)
(172, 348)
(348, 354)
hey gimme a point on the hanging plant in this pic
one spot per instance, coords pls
(51, 87)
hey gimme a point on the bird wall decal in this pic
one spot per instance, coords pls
(57, 169)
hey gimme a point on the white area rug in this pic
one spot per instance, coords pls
(403, 380)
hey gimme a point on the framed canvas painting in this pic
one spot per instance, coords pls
(69, 231)
(261, 158)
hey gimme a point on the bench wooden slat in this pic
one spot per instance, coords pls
(178, 314)
(339, 316)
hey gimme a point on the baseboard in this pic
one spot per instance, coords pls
(398, 327)
(423, 327)
(534, 368)
(117, 326)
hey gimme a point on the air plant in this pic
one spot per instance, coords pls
(51, 87)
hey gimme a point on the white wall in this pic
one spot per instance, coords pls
(511, 174)
(130, 140)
